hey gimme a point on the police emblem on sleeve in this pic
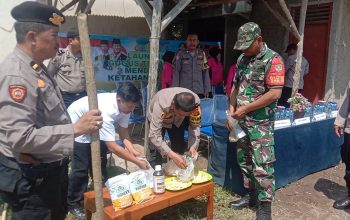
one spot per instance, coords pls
(196, 117)
(17, 92)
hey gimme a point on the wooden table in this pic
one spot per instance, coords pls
(136, 212)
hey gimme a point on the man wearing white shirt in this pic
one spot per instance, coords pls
(290, 70)
(115, 109)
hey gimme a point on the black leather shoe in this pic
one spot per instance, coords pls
(249, 200)
(78, 213)
(342, 203)
(264, 211)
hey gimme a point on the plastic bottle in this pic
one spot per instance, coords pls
(158, 180)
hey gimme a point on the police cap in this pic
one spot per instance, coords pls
(37, 13)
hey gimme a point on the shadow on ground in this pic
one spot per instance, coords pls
(332, 190)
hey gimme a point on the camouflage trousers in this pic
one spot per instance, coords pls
(255, 156)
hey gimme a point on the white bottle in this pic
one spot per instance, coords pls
(158, 180)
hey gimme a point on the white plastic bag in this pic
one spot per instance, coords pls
(236, 133)
(186, 175)
(149, 172)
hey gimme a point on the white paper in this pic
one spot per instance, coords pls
(301, 121)
(320, 117)
(282, 123)
(334, 114)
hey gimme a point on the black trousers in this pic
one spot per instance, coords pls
(286, 94)
(39, 192)
(345, 156)
(81, 167)
(178, 144)
(69, 98)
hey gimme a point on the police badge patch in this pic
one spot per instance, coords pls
(17, 92)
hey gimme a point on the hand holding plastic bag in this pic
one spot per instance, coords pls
(236, 133)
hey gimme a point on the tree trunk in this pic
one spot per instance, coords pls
(93, 104)
(297, 71)
(154, 58)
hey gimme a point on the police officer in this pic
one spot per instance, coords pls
(173, 110)
(257, 86)
(67, 68)
(191, 69)
(115, 109)
(342, 127)
(36, 134)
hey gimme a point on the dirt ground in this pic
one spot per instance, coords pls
(310, 198)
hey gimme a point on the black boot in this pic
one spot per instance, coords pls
(344, 203)
(264, 211)
(250, 199)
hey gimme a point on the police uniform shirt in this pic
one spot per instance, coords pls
(192, 72)
(161, 115)
(107, 103)
(290, 70)
(33, 117)
(68, 70)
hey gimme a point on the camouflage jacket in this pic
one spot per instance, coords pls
(254, 77)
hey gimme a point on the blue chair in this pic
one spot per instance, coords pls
(136, 119)
(207, 108)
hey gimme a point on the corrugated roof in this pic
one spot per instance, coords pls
(119, 8)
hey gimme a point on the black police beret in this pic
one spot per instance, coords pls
(37, 13)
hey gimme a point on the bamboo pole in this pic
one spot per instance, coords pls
(93, 104)
(290, 19)
(154, 58)
(297, 71)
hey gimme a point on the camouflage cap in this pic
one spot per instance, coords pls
(247, 33)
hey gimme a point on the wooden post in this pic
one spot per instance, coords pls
(154, 58)
(297, 71)
(93, 104)
(290, 19)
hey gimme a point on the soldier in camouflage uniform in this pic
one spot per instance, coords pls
(257, 86)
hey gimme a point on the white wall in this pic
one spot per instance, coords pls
(7, 33)
(338, 72)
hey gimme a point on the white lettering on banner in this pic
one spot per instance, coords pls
(334, 114)
(320, 117)
(301, 121)
(282, 123)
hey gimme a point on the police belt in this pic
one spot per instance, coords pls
(73, 93)
(51, 165)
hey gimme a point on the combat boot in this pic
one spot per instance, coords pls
(264, 211)
(249, 200)
(345, 202)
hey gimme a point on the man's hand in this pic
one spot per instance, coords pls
(193, 152)
(88, 123)
(240, 113)
(338, 130)
(142, 164)
(178, 159)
